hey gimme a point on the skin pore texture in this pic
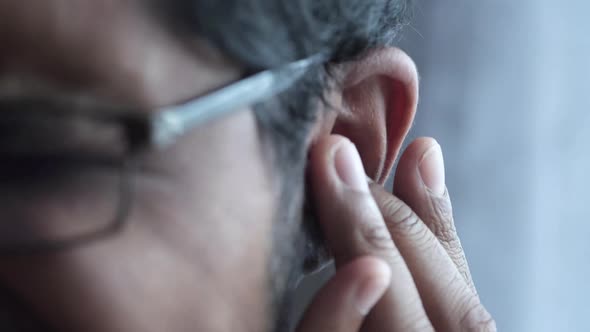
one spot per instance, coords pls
(195, 251)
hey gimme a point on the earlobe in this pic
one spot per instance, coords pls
(379, 99)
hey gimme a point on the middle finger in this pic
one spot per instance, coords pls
(448, 299)
(420, 183)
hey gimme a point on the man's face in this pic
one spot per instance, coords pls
(197, 242)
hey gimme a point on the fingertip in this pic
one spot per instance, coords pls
(432, 170)
(420, 167)
(416, 150)
(343, 303)
(326, 147)
(380, 269)
(321, 158)
(374, 285)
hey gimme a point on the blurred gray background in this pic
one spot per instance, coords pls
(505, 90)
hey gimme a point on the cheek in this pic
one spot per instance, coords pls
(173, 262)
(194, 251)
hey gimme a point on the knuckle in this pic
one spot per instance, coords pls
(440, 219)
(443, 208)
(399, 217)
(376, 237)
(477, 319)
(461, 263)
(443, 228)
(367, 234)
(393, 207)
(444, 232)
(424, 241)
(403, 222)
(455, 251)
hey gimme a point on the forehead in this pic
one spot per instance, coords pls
(80, 27)
(114, 48)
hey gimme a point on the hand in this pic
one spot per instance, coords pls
(400, 264)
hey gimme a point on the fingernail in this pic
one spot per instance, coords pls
(372, 289)
(432, 170)
(349, 167)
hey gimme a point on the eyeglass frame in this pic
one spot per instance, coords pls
(163, 127)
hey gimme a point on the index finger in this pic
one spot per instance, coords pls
(353, 226)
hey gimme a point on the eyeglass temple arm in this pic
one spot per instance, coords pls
(170, 123)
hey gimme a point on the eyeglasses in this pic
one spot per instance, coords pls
(66, 176)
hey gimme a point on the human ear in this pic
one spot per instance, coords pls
(375, 106)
